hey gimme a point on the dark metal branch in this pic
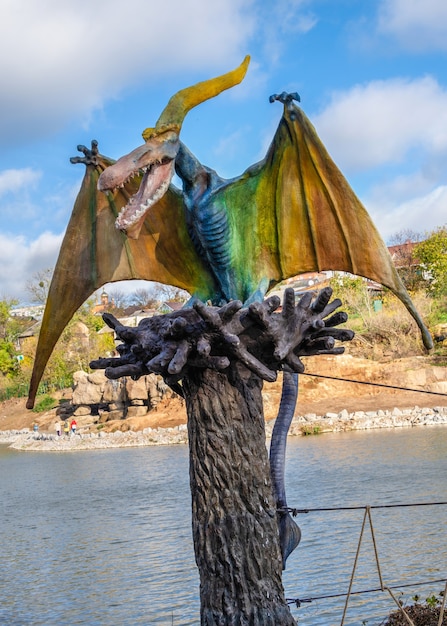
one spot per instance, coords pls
(261, 337)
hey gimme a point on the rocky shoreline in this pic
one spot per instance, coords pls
(309, 424)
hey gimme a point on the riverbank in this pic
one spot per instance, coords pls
(302, 425)
(338, 393)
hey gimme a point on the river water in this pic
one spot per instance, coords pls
(103, 538)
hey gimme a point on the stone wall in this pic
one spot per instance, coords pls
(96, 395)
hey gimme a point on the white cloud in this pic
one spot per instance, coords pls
(380, 122)
(416, 25)
(20, 259)
(59, 59)
(395, 132)
(16, 179)
(275, 21)
(421, 214)
(292, 16)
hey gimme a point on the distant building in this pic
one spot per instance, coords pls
(31, 331)
(301, 283)
(403, 254)
(104, 304)
(33, 311)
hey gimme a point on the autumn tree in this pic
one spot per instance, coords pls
(78, 344)
(432, 255)
(353, 291)
(9, 329)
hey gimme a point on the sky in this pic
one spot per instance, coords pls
(372, 77)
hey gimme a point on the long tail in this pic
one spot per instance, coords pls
(289, 532)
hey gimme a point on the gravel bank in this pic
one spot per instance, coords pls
(308, 424)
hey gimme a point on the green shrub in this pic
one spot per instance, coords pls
(421, 614)
(311, 430)
(45, 404)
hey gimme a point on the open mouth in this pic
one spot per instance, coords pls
(155, 161)
(154, 184)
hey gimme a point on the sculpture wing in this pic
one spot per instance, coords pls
(306, 217)
(94, 253)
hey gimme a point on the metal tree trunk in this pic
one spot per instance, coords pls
(216, 358)
(234, 521)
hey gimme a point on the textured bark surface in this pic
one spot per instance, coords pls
(233, 510)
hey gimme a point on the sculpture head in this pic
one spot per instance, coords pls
(155, 159)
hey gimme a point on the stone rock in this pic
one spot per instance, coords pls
(97, 377)
(309, 417)
(117, 406)
(84, 420)
(103, 417)
(82, 410)
(114, 391)
(85, 391)
(439, 387)
(157, 389)
(137, 389)
(136, 411)
(115, 415)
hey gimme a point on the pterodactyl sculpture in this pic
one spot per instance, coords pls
(219, 239)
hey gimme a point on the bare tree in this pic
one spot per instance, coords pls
(144, 297)
(118, 299)
(402, 248)
(39, 285)
(169, 292)
(157, 293)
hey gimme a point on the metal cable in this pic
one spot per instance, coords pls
(388, 588)
(299, 601)
(365, 382)
(296, 511)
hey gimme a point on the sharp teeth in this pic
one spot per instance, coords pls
(130, 214)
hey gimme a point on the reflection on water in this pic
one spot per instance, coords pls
(104, 537)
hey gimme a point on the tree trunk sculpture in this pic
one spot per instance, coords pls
(217, 359)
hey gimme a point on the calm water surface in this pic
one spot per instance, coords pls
(104, 537)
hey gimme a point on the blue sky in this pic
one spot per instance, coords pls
(372, 78)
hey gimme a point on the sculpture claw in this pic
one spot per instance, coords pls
(287, 100)
(90, 154)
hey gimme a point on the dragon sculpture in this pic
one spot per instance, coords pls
(221, 240)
